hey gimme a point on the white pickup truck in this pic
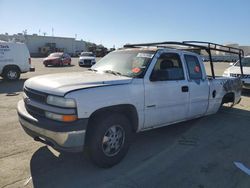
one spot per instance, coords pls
(129, 90)
(234, 71)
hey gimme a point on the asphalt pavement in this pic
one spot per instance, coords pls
(198, 153)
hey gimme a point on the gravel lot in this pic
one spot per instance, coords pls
(198, 153)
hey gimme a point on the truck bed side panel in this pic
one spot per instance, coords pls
(219, 87)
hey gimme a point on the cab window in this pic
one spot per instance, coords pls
(194, 68)
(168, 67)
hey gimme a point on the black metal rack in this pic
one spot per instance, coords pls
(207, 46)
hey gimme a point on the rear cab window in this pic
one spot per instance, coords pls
(194, 67)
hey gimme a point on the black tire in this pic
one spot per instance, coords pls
(46, 65)
(98, 148)
(11, 73)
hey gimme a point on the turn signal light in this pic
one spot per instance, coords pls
(69, 118)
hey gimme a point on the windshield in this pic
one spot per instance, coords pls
(245, 62)
(55, 55)
(126, 63)
(87, 54)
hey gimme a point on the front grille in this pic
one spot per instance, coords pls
(35, 95)
(34, 110)
(87, 62)
(239, 75)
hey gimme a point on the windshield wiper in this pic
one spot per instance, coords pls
(113, 72)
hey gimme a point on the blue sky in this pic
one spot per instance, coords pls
(116, 22)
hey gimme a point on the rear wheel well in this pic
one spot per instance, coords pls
(126, 109)
(11, 66)
(229, 97)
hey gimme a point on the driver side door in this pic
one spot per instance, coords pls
(166, 92)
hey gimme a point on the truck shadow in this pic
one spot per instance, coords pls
(76, 170)
(11, 88)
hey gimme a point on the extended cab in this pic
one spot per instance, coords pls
(128, 91)
(14, 60)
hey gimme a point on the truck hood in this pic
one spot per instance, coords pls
(61, 83)
(236, 70)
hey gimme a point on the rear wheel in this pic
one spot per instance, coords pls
(11, 73)
(109, 139)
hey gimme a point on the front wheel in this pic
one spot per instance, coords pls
(109, 139)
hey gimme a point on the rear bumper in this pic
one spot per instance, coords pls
(69, 138)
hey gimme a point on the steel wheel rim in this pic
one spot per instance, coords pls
(12, 74)
(113, 140)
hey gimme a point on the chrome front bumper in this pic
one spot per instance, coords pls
(72, 141)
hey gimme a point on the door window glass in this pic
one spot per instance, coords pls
(168, 67)
(194, 68)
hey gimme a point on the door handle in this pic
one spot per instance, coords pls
(184, 88)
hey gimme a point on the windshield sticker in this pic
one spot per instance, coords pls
(197, 69)
(145, 55)
(136, 70)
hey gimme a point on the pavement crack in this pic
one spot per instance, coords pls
(16, 181)
(12, 154)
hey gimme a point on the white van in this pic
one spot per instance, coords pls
(14, 60)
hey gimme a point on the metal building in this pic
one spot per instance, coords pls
(43, 45)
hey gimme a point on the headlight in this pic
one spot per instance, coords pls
(226, 73)
(61, 102)
(59, 117)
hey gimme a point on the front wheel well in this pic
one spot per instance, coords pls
(125, 109)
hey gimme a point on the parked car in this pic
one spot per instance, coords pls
(129, 90)
(234, 71)
(86, 59)
(14, 60)
(57, 59)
